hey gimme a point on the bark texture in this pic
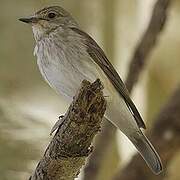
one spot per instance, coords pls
(71, 145)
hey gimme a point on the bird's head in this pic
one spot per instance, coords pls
(49, 19)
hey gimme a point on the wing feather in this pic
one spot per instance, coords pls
(100, 58)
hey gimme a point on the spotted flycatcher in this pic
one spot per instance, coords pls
(66, 56)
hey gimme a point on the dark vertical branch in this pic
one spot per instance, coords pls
(148, 42)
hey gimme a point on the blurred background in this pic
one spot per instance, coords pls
(29, 108)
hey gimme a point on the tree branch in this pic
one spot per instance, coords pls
(70, 146)
(148, 41)
(165, 135)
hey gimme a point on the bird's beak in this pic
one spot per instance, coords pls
(29, 20)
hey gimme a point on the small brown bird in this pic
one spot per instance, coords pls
(66, 56)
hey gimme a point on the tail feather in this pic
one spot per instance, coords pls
(148, 153)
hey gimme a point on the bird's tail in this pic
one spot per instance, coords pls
(148, 153)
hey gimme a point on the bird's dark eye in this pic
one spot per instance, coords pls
(51, 15)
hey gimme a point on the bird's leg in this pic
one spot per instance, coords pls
(57, 124)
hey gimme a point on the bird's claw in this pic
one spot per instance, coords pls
(57, 124)
(61, 116)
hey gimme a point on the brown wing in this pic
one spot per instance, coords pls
(100, 58)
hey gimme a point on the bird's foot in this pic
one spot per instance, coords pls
(57, 124)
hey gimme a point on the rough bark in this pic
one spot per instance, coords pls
(165, 135)
(70, 146)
